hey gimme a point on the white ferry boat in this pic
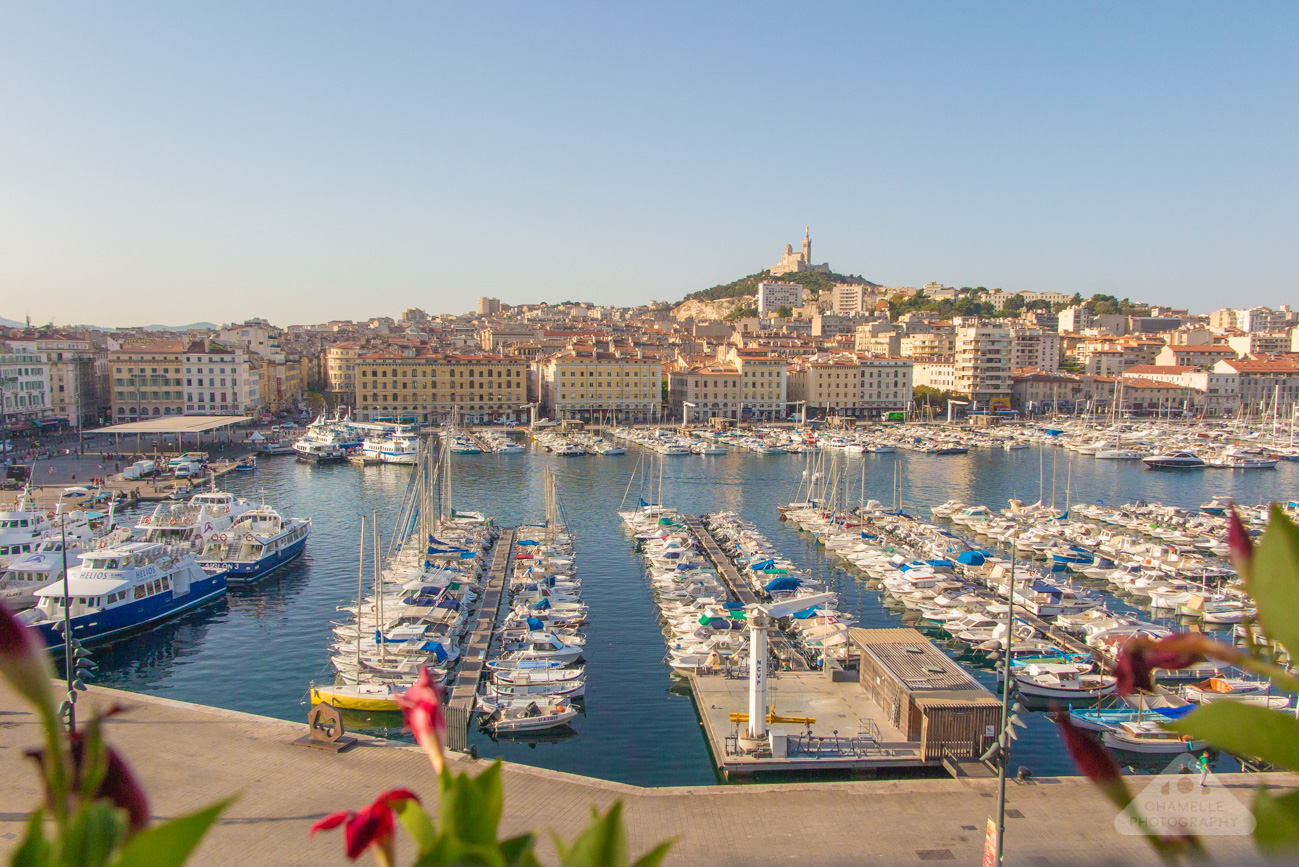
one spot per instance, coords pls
(21, 530)
(193, 523)
(42, 567)
(255, 545)
(121, 588)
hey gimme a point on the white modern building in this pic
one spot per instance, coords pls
(773, 296)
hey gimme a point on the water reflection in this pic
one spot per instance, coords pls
(258, 650)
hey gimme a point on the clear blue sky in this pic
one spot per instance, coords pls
(175, 162)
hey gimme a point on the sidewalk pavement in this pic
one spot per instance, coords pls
(187, 756)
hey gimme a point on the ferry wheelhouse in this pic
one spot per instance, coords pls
(192, 523)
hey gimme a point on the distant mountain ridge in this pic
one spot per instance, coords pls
(179, 329)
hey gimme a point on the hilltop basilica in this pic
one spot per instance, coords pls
(793, 263)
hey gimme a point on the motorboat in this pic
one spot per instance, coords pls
(534, 716)
(1174, 461)
(1067, 681)
(1255, 692)
(1150, 736)
(358, 696)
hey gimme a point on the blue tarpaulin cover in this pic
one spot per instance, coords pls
(534, 623)
(777, 584)
(970, 558)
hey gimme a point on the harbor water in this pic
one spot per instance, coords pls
(260, 648)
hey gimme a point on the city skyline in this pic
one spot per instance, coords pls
(178, 165)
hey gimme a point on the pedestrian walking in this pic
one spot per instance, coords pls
(1204, 770)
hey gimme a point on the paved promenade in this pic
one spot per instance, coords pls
(187, 756)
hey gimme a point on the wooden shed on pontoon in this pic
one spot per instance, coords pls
(925, 694)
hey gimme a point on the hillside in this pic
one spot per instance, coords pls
(816, 282)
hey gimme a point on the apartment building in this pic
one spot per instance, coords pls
(71, 372)
(849, 384)
(983, 363)
(419, 385)
(220, 381)
(588, 384)
(772, 296)
(340, 370)
(763, 384)
(713, 389)
(1194, 356)
(1267, 385)
(1035, 347)
(929, 348)
(24, 388)
(935, 374)
(1210, 391)
(147, 379)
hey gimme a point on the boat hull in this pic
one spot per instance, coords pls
(246, 573)
(135, 615)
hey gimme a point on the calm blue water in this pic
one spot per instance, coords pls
(258, 650)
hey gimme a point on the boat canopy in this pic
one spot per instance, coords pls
(970, 558)
(783, 583)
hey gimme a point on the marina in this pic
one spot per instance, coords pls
(625, 671)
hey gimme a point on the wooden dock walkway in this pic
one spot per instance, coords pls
(473, 659)
(776, 640)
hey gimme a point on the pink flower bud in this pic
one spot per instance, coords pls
(25, 663)
(422, 707)
(1240, 544)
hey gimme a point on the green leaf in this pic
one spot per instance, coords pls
(513, 849)
(1244, 730)
(447, 851)
(469, 808)
(602, 844)
(92, 835)
(417, 824)
(1274, 580)
(169, 844)
(1276, 821)
(35, 850)
(655, 856)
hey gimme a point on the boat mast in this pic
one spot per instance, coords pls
(360, 598)
(378, 590)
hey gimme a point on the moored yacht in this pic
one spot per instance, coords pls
(1174, 461)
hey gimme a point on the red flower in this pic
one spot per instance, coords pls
(422, 707)
(118, 785)
(371, 827)
(25, 663)
(1089, 756)
(1141, 656)
(1240, 544)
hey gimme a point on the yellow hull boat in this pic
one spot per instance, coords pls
(357, 696)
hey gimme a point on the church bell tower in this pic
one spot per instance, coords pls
(807, 245)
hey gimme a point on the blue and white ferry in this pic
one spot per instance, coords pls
(255, 545)
(124, 587)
